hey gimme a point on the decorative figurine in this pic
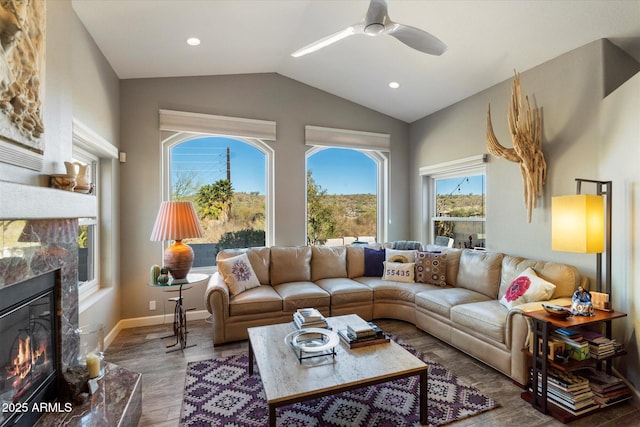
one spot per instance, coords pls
(581, 303)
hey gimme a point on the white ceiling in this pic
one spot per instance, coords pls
(486, 41)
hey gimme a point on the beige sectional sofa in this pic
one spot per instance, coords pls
(466, 313)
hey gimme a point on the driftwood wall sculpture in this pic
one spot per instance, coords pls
(525, 128)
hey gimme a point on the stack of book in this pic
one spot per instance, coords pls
(309, 318)
(359, 334)
(574, 341)
(606, 388)
(600, 346)
(569, 391)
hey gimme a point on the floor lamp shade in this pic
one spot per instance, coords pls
(578, 223)
(177, 221)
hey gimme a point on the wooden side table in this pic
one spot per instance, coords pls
(543, 324)
(180, 312)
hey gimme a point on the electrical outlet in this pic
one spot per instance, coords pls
(152, 305)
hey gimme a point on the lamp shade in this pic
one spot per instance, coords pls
(176, 221)
(578, 223)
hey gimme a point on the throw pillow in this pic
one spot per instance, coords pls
(373, 262)
(393, 255)
(399, 271)
(238, 274)
(527, 287)
(431, 267)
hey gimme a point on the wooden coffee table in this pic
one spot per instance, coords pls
(287, 381)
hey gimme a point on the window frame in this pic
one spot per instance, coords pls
(475, 165)
(181, 137)
(89, 147)
(381, 160)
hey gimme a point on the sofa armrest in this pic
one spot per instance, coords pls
(216, 297)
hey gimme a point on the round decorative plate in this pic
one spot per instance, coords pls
(312, 340)
(556, 310)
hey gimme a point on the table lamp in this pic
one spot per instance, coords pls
(177, 221)
(582, 223)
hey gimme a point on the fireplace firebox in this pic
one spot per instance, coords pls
(29, 348)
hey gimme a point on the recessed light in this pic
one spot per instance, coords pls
(193, 41)
(394, 85)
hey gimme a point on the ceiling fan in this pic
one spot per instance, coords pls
(377, 22)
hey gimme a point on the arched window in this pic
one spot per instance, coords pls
(342, 196)
(228, 178)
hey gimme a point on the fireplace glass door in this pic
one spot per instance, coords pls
(28, 346)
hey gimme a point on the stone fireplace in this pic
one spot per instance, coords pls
(38, 238)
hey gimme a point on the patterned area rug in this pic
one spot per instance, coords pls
(219, 392)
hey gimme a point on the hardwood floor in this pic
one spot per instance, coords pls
(163, 374)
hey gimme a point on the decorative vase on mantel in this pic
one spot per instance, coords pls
(82, 174)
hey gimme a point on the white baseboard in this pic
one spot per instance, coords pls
(149, 321)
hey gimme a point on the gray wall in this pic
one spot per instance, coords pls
(291, 104)
(570, 91)
(79, 83)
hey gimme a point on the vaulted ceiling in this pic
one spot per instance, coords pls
(486, 39)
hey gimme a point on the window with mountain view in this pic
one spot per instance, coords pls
(342, 200)
(225, 178)
(460, 209)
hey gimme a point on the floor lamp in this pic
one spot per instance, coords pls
(582, 223)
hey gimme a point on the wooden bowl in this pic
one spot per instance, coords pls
(556, 310)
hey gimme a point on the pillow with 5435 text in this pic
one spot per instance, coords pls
(527, 287)
(399, 271)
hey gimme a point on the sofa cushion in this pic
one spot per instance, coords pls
(302, 294)
(487, 318)
(389, 290)
(431, 267)
(565, 277)
(259, 258)
(355, 261)
(394, 255)
(327, 262)
(290, 264)
(260, 300)
(345, 291)
(441, 301)
(480, 272)
(374, 262)
(238, 273)
(527, 287)
(399, 271)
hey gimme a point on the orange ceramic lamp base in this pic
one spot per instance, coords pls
(178, 258)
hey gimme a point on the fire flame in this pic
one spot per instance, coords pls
(25, 359)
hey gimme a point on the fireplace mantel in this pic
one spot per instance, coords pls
(20, 201)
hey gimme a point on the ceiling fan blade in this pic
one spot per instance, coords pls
(417, 39)
(326, 41)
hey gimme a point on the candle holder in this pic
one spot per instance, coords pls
(91, 355)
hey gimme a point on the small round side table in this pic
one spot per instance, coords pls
(180, 313)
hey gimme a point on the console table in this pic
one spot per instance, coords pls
(180, 313)
(543, 324)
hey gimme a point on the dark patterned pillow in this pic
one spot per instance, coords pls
(431, 267)
(373, 262)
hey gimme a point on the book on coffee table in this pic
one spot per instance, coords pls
(372, 335)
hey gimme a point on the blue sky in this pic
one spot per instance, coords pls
(338, 171)
(461, 185)
(207, 157)
(343, 171)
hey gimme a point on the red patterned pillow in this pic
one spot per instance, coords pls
(431, 267)
(527, 287)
